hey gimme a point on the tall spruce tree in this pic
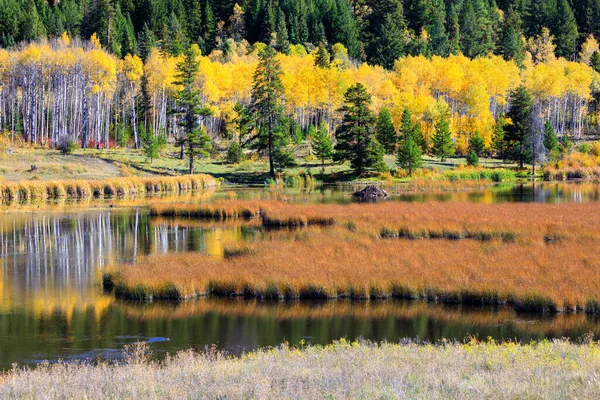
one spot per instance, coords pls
(195, 140)
(477, 143)
(439, 38)
(419, 138)
(453, 27)
(518, 133)
(550, 139)
(389, 45)
(511, 41)
(322, 144)
(356, 134)
(409, 152)
(345, 29)
(209, 28)
(282, 42)
(442, 139)
(498, 140)
(565, 30)
(322, 57)
(267, 106)
(385, 131)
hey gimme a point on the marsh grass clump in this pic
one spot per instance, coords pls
(113, 187)
(337, 263)
(220, 210)
(479, 174)
(239, 251)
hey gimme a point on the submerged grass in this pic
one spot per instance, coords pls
(15, 192)
(541, 370)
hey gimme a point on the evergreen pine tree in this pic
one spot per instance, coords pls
(209, 28)
(195, 140)
(267, 21)
(512, 46)
(419, 138)
(322, 145)
(151, 143)
(498, 141)
(477, 36)
(472, 159)
(477, 144)
(518, 133)
(31, 26)
(146, 42)
(442, 139)
(177, 41)
(283, 43)
(550, 139)
(439, 39)
(345, 28)
(388, 46)
(10, 12)
(409, 153)
(128, 41)
(355, 135)
(322, 57)
(193, 20)
(267, 106)
(595, 61)
(385, 131)
(406, 125)
(453, 31)
(565, 30)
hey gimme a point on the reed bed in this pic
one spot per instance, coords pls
(542, 370)
(548, 223)
(15, 192)
(338, 263)
(218, 210)
(272, 213)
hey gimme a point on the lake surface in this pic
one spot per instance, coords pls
(52, 305)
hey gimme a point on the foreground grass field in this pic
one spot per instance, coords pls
(545, 370)
(535, 257)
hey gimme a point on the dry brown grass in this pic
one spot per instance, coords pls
(546, 370)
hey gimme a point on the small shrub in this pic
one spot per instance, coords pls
(67, 146)
(472, 159)
(235, 154)
(585, 148)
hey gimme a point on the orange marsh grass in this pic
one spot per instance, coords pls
(450, 220)
(330, 263)
(122, 187)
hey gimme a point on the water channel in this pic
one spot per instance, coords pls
(52, 305)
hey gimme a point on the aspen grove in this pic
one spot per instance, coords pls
(62, 89)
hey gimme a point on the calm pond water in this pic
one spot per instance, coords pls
(52, 305)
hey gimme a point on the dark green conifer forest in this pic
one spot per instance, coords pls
(375, 31)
